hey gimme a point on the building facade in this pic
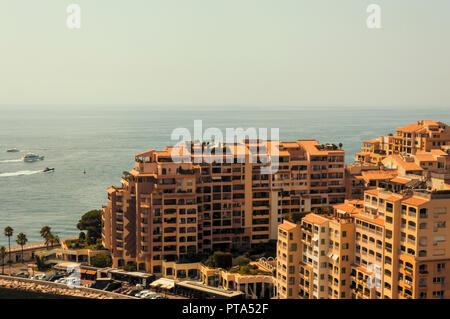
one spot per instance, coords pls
(218, 197)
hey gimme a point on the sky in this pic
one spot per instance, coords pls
(225, 52)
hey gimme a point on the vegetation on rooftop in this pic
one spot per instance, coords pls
(101, 261)
(248, 270)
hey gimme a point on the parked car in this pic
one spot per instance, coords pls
(21, 274)
(61, 281)
(133, 292)
(53, 277)
(124, 291)
(38, 277)
(145, 294)
(159, 297)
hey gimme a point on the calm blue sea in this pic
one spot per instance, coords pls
(103, 139)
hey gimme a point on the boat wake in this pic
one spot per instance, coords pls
(11, 161)
(19, 173)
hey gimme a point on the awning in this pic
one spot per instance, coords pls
(335, 257)
(91, 272)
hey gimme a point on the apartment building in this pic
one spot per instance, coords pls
(288, 260)
(314, 258)
(425, 136)
(216, 197)
(362, 176)
(396, 244)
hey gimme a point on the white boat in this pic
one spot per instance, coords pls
(11, 150)
(31, 157)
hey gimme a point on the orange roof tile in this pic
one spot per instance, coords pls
(311, 147)
(408, 166)
(373, 191)
(415, 201)
(287, 225)
(400, 180)
(372, 141)
(347, 208)
(377, 220)
(425, 158)
(378, 174)
(410, 128)
(393, 198)
(315, 219)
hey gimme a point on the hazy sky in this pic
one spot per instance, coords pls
(226, 52)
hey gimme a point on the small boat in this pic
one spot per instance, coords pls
(12, 150)
(31, 157)
(48, 170)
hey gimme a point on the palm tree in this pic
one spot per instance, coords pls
(54, 240)
(48, 239)
(21, 240)
(8, 233)
(2, 256)
(45, 232)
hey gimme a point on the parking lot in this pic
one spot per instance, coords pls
(104, 284)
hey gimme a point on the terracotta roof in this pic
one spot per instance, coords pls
(438, 152)
(408, 166)
(372, 141)
(315, 219)
(287, 226)
(411, 128)
(378, 174)
(373, 191)
(430, 122)
(415, 201)
(289, 145)
(311, 147)
(377, 220)
(400, 180)
(425, 158)
(393, 198)
(347, 208)
(354, 202)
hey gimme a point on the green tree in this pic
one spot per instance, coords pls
(101, 261)
(54, 240)
(220, 260)
(46, 233)
(8, 233)
(92, 223)
(2, 256)
(21, 240)
(240, 261)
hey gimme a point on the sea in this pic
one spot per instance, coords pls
(90, 146)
